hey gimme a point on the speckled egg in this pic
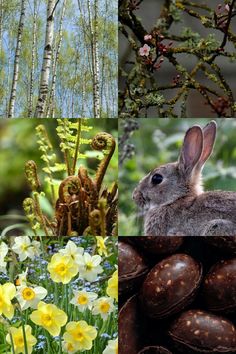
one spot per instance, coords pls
(154, 350)
(132, 268)
(170, 286)
(197, 331)
(219, 289)
(159, 245)
(223, 243)
(130, 327)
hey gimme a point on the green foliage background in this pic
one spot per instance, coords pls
(157, 142)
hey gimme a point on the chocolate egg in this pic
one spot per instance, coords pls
(159, 245)
(197, 331)
(170, 286)
(219, 289)
(132, 268)
(224, 243)
(130, 331)
(154, 350)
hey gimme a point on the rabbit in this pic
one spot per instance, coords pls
(172, 195)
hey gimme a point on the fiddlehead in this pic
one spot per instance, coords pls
(106, 143)
(32, 175)
(69, 189)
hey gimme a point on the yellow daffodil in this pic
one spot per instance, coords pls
(83, 299)
(103, 307)
(69, 347)
(62, 268)
(89, 266)
(7, 292)
(80, 335)
(72, 250)
(25, 248)
(101, 247)
(112, 288)
(112, 347)
(3, 253)
(30, 297)
(18, 339)
(49, 317)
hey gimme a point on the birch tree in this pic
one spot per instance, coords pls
(47, 60)
(16, 61)
(1, 23)
(94, 54)
(32, 73)
(51, 105)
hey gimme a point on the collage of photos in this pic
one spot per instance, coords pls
(117, 177)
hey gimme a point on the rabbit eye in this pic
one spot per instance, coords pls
(157, 179)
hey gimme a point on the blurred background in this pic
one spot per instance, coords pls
(158, 141)
(18, 144)
(148, 13)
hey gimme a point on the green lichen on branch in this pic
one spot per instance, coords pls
(151, 50)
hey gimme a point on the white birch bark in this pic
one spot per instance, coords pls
(96, 64)
(30, 110)
(51, 105)
(1, 23)
(12, 100)
(47, 61)
(95, 67)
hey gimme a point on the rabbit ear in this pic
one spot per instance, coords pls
(209, 135)
(191, 150)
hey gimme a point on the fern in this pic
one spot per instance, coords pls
(82, 206)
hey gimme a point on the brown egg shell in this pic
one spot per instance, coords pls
(132, 268)
(219, 287)
(223, 243)
(170, 286)
(130, 327)
(154, 350)
(197, 331)
(159, 245)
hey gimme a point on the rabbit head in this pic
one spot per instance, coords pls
(167, 183)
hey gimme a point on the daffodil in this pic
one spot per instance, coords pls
(83, 299)
(25, 248)
(7, 293)
(18, 339)
(69, 347)
(21, 278)
(72, 250)
(3, 253)
(112, 347)
(102, 248)
(112, 288)
(30, 297)
(62, 268)
(89, 266)
(80, 335)
(103, 307)
(50, 317)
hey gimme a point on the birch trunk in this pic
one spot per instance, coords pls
(1, 23)
(95, 63)
(30, 110)
(47, 61)
(16, 61)
(51, 105)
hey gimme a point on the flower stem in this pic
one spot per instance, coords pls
(24, 334)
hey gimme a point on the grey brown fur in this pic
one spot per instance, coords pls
(178, 206)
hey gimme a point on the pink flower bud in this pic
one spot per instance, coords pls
(227, 8)
(144, 51)
(147, 37)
